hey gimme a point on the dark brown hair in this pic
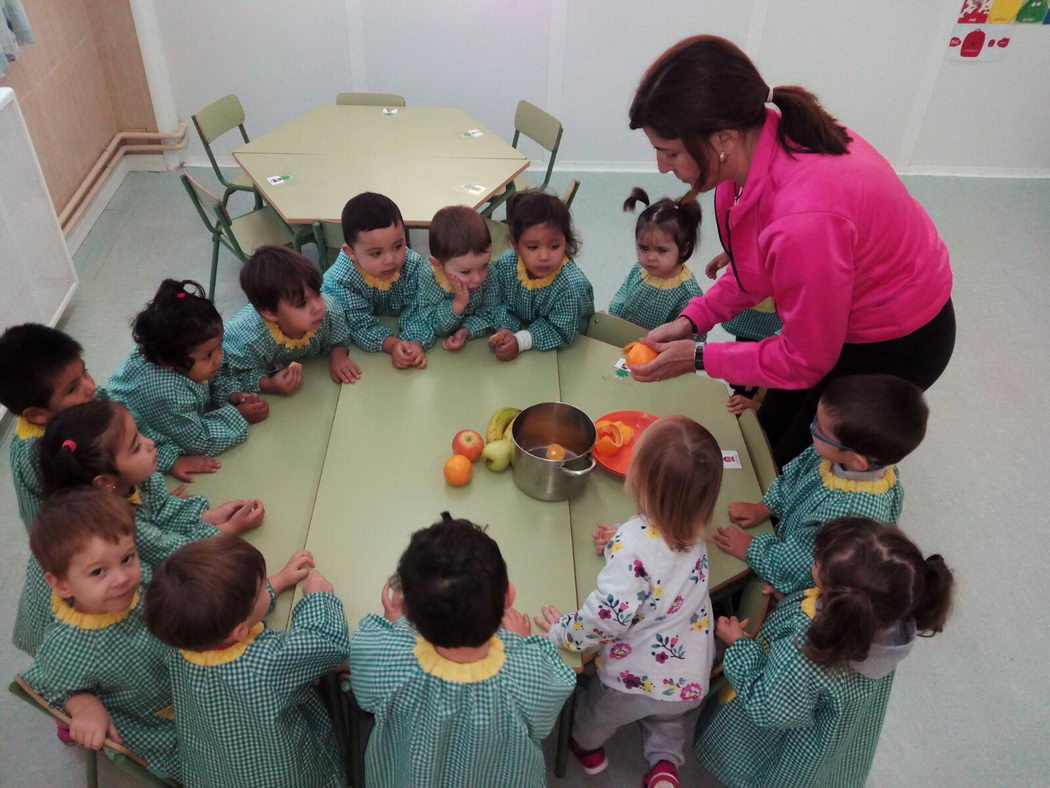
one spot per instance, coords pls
(276, 273)
(178, 319)
(871, 577)
(705, 84)
(532, 207)
(32, 356)
(69, 519)
(879, 416)
(80, 443)
(202, 591)
(678, 218)
(369, 211)
(458, 230)
(675, 475)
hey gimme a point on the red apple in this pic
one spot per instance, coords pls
(469, 443)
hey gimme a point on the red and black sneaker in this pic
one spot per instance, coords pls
(664, 774)
(592, 761)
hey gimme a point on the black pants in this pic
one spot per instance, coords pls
(919, 357)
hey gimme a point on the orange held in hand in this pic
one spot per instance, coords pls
(458, 470)
(637, 353)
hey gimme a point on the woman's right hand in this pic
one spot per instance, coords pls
(718, 262)
(679, 328)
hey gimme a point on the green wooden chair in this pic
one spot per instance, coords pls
(370, 99)
(542, 128)
(241, 235)
(123, 758)
(328, 237)
(613, 330)
(758, 449)
(212, 122)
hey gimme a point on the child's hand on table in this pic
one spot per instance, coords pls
(748, 515)
(548, 617)
(738, 403)
(294, 572)
(729, 630)
(315, 583)
(193, 463)
(460, 293)
(733, 541)
(602, 533)
(455, 341)
(235, 517)
(504, 344)
(284, 382)
(89, 722)
(251, 406)
(342, 368)
(393, 602)
(513, 621)
(408, 354)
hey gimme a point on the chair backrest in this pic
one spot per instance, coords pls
(328, 236)
(613, 330)
(758, 449)
(206, 203)
(570, 193)
(498, 232)
(219, 117)
(541, 127)
(370, 99)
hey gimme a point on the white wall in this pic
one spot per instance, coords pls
(879, 67)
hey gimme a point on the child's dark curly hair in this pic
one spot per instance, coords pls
(178, 319)
(678, 218)
(532, 207)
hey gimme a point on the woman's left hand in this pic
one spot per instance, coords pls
(676, 358)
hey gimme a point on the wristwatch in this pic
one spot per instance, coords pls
(698, 355)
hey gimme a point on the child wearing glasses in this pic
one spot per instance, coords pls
(865, 424)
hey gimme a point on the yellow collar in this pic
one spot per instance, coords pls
(220, 656)
(26, 429)
(809, 602)
(135, 498)
(875, 486)
(284, 340)
(668, 283)
(441, 279)
(464, 673)
(537, 284)
(70, 615)
(375, 281)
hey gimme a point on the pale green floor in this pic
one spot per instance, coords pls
(969, 707)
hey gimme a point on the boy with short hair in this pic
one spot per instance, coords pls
(376, 275)
(246, 712)
(865, 424)
(286, 320)
(456, 300)
(500, 690)
(97, 660)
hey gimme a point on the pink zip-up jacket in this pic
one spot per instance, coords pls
(847, 254)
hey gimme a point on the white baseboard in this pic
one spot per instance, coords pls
(977, 172)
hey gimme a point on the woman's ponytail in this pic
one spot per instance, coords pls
(805, 126)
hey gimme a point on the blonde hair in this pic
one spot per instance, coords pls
(675, 476)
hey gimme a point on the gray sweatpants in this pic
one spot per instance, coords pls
(601, 711)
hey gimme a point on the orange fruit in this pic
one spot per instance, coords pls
(637, 353)
(610, 439)
(555, 452)
(458, 470)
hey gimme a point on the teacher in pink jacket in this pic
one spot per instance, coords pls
(809, 214)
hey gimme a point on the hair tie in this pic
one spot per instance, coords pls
(769, 96)
(71, 445)
(180, 294)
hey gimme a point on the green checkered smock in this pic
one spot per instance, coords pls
(194, 416)
(809, 492)
(440, 723)
(431, 316)
(254, 719)
(254, 348)
(791, 722)
(552, 313)
(163, 523)
(650, 301)
(25, 470)
(115, 658)
(753, 324)
(363, 302)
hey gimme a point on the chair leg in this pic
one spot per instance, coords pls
(91, 770)
(561, 755)
(214, 267)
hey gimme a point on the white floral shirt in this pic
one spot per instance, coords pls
(650, 615)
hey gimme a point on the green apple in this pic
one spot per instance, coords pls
(497, 455)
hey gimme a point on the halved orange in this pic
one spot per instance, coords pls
(610, 438)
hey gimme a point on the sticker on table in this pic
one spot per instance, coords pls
(621, 368)
(277, 180)
(473, 133)
(731, 459)
(977, 44)
(1003, 12)
(474, 188)
(974, 12)
(1032, 12)
(389, 110)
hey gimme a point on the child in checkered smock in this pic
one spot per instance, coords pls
(462, 695)
(97, 661)
(376, 275)
(170, 380)
(864, 425)
(457, 299)
(660, 284)
(806, 696)
(246, 712)
(545, 298)
(287, 320)
(650, 615)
